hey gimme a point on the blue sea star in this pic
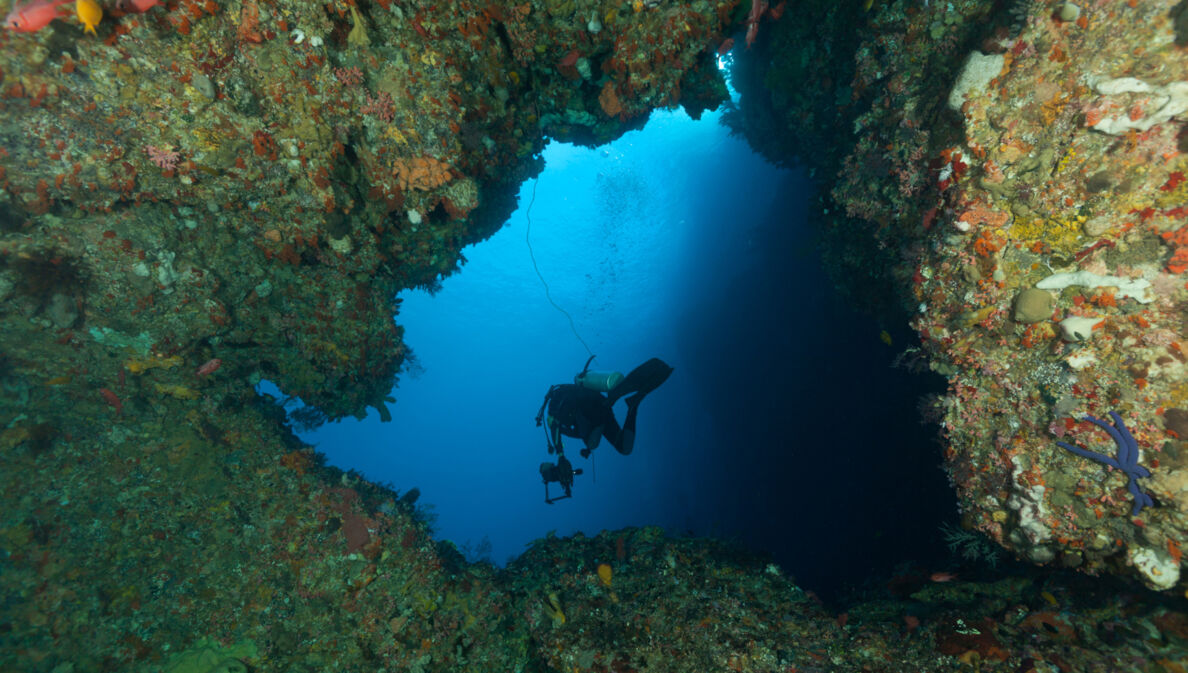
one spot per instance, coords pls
(1127, 460)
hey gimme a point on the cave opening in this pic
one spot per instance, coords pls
(784, 427)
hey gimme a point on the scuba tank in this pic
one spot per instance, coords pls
(602, 382)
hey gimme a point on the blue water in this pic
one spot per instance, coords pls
(782, 426)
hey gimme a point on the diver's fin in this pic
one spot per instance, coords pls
(643, 379)
(633, 401)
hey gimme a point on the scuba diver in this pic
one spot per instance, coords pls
(584, 410)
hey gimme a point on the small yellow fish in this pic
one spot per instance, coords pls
(141, 365)
(89, 15)
(866, 4)
(885, 337)
(553, 608)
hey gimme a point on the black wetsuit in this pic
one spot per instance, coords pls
(589, 415)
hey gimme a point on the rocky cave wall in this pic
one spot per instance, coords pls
(213, 193)
(254, 182)
(1013, 183)
(208, 194)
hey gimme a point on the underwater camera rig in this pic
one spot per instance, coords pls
(561, 473)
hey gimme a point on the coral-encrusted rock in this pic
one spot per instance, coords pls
(251, 183)
(1018, 186)
(1043, 137)
(1040, 139)
(334, 154)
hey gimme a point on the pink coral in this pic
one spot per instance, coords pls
(163, 157)
(381, 106)
(350, 77)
